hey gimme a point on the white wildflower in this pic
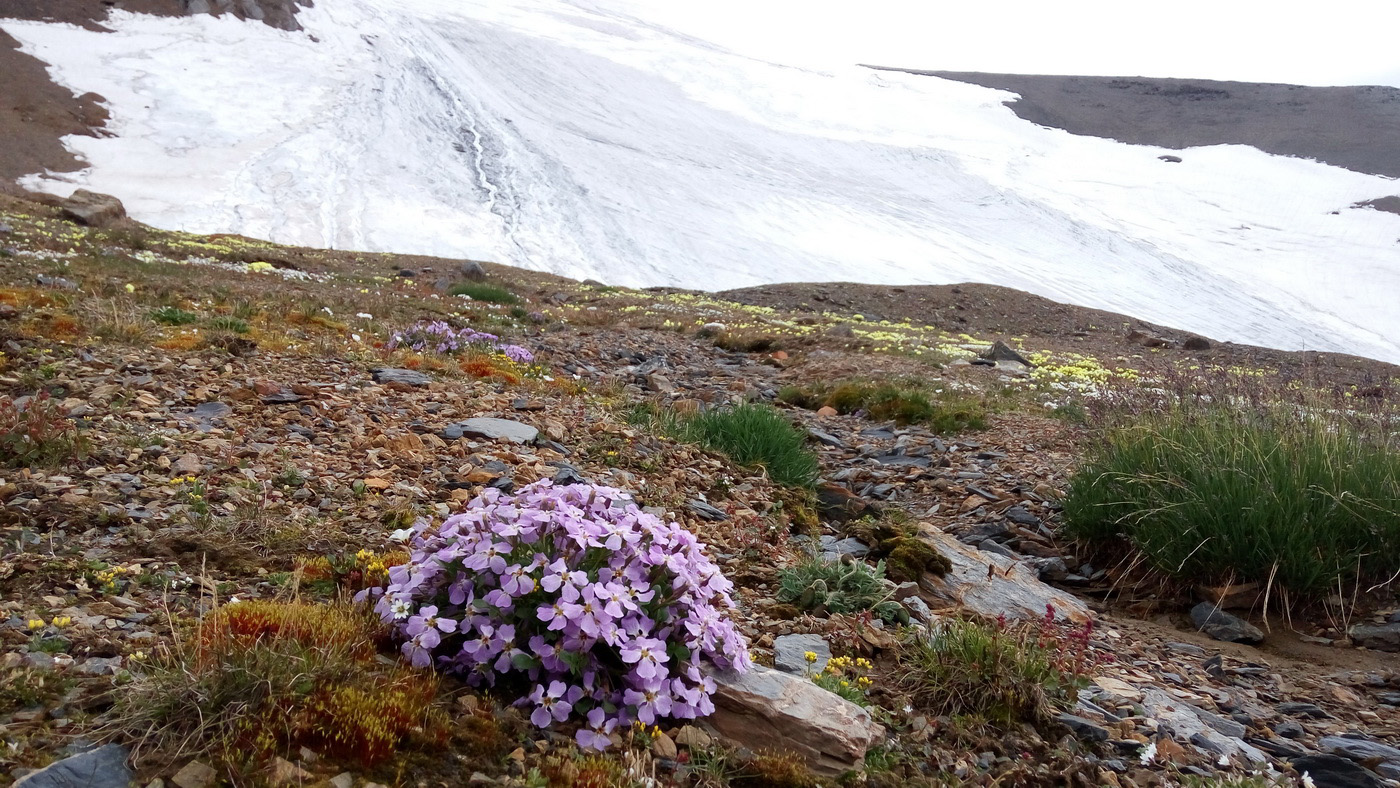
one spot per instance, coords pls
(1148, 754)
(402, 535)
(365, 315)
(1308, 781)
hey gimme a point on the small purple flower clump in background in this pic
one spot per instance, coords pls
(436, 336)
(606, 610)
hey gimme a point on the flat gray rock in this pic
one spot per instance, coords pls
(1358, 749)
(491, 429)
(406, 377)
(104, 767)
(789, 654)
(1224, 626)
(1385, 637)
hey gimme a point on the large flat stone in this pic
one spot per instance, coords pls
(104, 767)
(1187, 724)
(492, 429)
(765, 709)
(1224, 626)
(1385, 637)
(993, 584)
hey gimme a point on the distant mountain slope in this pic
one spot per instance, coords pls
(592, 140)
(1353, 127)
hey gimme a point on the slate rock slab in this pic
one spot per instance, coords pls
(1358, 749)
(403, 377)
(790, 654)
(104, 767)
(766, 709)
(1224, 626)
(1333, 771)
(1385, 637)
(491, 429)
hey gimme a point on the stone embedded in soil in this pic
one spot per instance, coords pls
(1085, 730)
(1384, 637)
(195, 775)
(491, 429)
(855, 548)
(766, 709)
(789, 654)
(1358, 749)
(706, 512)
(103, 767)
(1187, 724)
(403, 377)
(1224, 626)
(1299, 709)
(1331, 771)
(994, 585)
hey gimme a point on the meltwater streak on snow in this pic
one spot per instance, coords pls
(579, 139)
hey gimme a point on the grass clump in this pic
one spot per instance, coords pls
(485, 292)
(903, 402)
(36, 432)
(751, 434)
(838, 587)
(1307, 500)
(261, 679)
(228, 323)
(174, 316)
(998, 673)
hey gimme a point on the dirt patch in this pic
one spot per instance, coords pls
(1353, 127)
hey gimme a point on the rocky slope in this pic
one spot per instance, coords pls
(229, 454)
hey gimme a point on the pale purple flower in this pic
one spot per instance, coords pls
(567, 572)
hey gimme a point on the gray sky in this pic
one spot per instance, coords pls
(1344, 42)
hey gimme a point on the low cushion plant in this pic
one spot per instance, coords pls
(588, 607)
(436, 336)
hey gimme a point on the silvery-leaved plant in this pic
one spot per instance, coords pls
(436, 336)
(602, 612)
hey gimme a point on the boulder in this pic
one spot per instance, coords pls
(1332, 771)
(790, 654)
(993, 585)
(1187, 725)
(765, 709)
(471, 269)
(1000, 351)
(491, 429)
(1384, 637)
(1358, 749)
(93, 209)
(1224, 626)
(104, 767)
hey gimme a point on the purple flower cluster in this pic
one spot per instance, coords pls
(606, 610)
(436, 336)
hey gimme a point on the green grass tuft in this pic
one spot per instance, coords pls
(485, 292)
(999, 673)
(174, 316)
(1305, 499)
(903, 402)
(752, 434)
(226, 323)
